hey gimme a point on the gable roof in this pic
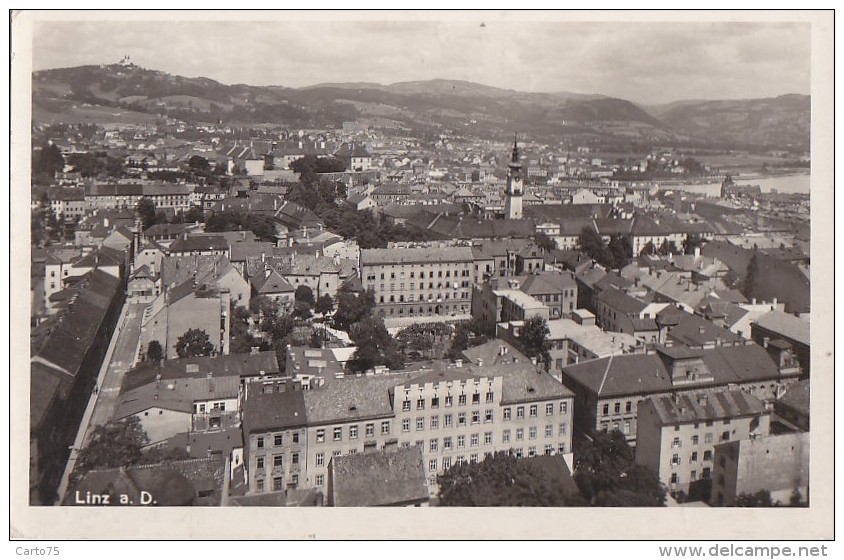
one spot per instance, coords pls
(786, 325)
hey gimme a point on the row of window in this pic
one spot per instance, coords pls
(705, 474)
(423, 299)
(278, 440)
(693, 458)
(440, 285)
(628, 407)
(369, 430)
(277, 460)
(448, 401)
(707, 438)
(533, 410)
(457, 273)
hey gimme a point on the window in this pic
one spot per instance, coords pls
(338, 434)
(447, 420)
(447, 443)
(606, 409)
(628, 407)
(549, 430)
(707, 455)
(432, 465)
(476, 398)
(435, 422)
(259, 485)
(461, 442)
(693, 458)
(320, 435)
(405, 406)
(295, 458)
(259, 463)
(532, 451)
(507, 413)
(473, 458)
(260, 443)
(707, 438)
(532, 432)
(617, 408)
(461, 419)
(520, 412)
(505, 436)
(278, 460)
(405, 425)
(674, 478)
(677, 428)
(709, 423)
(561, 449)
(370, 430)
(489, 397)
(549, 409)
(487, 438)
(296, 436)
(725, 436)
(533, 410)
(353, 432)
(336, 453)
(446, 463)
(277, 440)
(487, 416)
(319, 480)
(626, 427)
(420, 404)
(676, 442)
(420, 424)
(320, 459)
(476, 417)
(474, 440)
(695, 440)
(277, 484)
(519, 453)
(549, 449)
(449, 400)
(434, 445)
(520, 434)
(435, 402)
(461, 400)
(563, 429)
(385, 427)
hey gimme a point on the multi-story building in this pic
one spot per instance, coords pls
(608, 390)
(456, 414)
(778, 464)
(418, 281)
(677, 434)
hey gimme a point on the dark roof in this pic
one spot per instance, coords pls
(788, 326)
(238, 365)
(566, 211)
(493, 352)
(273, 411)
(633, 374)
(199, 243)
(797, 397)
(272, 284)
(203, 443)
(621, 302)
(693, 330)
(712, 405)
(380, 478)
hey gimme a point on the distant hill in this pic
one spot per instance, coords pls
(780, 121)
(117, 91)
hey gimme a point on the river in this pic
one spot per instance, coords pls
(796, 183)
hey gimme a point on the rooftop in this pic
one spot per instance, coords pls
(786, 325)
(711, 405)
(380, 478)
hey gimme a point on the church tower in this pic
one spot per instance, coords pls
(515, 187)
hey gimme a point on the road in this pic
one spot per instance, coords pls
(121, 361)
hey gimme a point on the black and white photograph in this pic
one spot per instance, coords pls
(557, 261)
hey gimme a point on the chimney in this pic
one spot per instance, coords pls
(697, 252)
(774, 303)
(263, 257)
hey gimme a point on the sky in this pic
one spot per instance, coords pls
(649, 62)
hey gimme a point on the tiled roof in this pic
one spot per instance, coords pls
(711, 405)
(786, 325)
(199, 243)
(620, 301)
(350, 398)
(273, 411)
(494, 352)
(237, 365)
(272, 284)
(380, 478)
(694, 330)
(797, 396)
(175, 394)
(415, 255)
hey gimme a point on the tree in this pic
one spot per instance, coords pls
(301, 310)
(240, 339)
(115, 444)
(620, 250)
(591, 243)
(154, 351)
(466, 335)
(324, 305)
(692, 242)
(352, 308)
(648, 249)
(146, 212)
(544, 242)
(533, 337)
(49, 160)
(762, 498)
(199, 165)
(668, 248)
(194, 214)
(195, 342)
(503, 480)
(607, 474)
(305, 295)
(375, 346)
(751, 277)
